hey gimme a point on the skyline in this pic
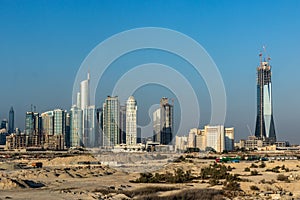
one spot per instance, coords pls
(36, 46)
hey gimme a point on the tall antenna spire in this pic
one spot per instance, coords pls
(88, 75)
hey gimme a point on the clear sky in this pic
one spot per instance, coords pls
(43, 43)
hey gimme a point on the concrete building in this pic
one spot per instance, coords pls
(163, 123)
(14, 141)
(53, 129)
(131, 121)
(215, 137)
(192, 138)
(201, 140)
(33, 129)
(181, 143)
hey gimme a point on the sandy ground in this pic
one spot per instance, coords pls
(63, 178)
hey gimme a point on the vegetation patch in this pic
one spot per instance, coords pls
(179, 176)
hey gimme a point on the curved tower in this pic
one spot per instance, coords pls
(265, 128)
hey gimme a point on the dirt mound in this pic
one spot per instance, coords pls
(9, 183)
(71, 160)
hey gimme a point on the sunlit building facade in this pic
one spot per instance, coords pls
(131, 121)
(265, 128)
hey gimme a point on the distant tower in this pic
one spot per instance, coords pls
(111, 124)
(59, 122)
(76, 136)
(163, 125)
(122, 124)
(131, 121)
(88, 114)
(265, 128)
(29, 123)
(11, 120)
(84, 95)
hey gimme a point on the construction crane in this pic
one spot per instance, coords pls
(249, 130)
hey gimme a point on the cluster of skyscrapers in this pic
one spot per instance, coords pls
(116, 125)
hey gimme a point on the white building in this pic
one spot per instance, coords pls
(192, 138)
(181, 143)
(87, 136)
(131, 121)
(84, 93)
(215, 137)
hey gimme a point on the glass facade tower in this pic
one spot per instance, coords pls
(265, 128)
(11, 121)
(111, 129)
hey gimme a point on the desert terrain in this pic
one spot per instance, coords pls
(88, 176)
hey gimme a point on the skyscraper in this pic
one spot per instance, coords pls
(84, 95)
(59, 122)
(111, 130)
(89, 125)
(29, 123)
(265, 128)
(11, 120)
(122, 124)
(163, 124)
(99, 127)
(47, 123)
(76, 136)
(88, 115)
(131, 121)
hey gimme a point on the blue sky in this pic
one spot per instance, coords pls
(42, 44)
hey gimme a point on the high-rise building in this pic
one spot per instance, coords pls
(47, 123)
(131, 121)
(111, 129)
(99, 127)
(29, 123)
(33, 129)
(4, 124)
(122, 124)
(265, 128)
(84, 93)
(163, 125)
(76, 136)
(88, 114)
(53, 129)
(67, 131)
(11, 121)
(192, 138)
(89, 126)
(59, 122)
